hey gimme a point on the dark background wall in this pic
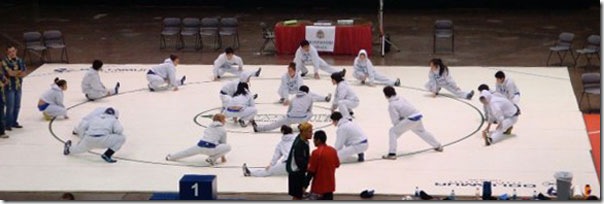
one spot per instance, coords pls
(336, 4)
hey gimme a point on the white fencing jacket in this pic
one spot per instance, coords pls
(222, 60)
(54, 96)
(282, 149)
(103, 124)
(399, 109)
(348, 134)
(300, 106)
(92, 82)
(166, 70)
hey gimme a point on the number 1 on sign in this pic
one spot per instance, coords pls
(195, 187)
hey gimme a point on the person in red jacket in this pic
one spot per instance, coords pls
(322, 168)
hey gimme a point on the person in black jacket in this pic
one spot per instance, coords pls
(297, 162)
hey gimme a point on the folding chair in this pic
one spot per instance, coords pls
(564, 44)
(190, 27)
(209, 28)
(591, 85)
(228, 27)
(170, 27)
(53, 39)
(592, 47)
(34, 43)
(443, 29)
(268, 36)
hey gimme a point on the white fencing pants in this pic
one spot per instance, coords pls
(322, 65)
(246, 114)
(283, 121)
(497, 134)
(352, 150)
(417, 127)
(219, 71)
(345, 106)
(156, 82)
(284, 93)
(111, 141)
(276, 170)
(451, 87)
(377, 78)
(96, 94)
(55, 111)
(213, 153)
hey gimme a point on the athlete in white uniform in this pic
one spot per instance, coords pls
(277, 165)
(405, 117)
(439, 77)
(485, 109)
(345, 99)
(507, 87)
(350, 138)
(163, 76)
(103, 131)
(291, 83)
(229, 88)
(366, 73)
(300, 110)
(79, 130)
(501, 110)
(213, 143)
(241, 106)
(308, 55)
(51, 102)
(229, 62)
(92, 87)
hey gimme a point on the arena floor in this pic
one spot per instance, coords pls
(549, 137)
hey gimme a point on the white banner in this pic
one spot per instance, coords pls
(321, 37)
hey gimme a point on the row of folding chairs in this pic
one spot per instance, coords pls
(215, 28)
(42, 43)
(564, 45)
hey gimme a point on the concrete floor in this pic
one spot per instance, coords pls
(483, 37)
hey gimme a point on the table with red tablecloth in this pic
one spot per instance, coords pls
(349, 39)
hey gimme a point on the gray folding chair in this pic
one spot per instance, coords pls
(268, 35)
(53, 39)
(564, 45)
(592, 47)
(209, 29)
(170, 27)
(190, 28)
(443, 29)
(228, 27)
(34, 43)
(591, 85)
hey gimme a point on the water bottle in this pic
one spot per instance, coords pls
(477, 194)
(416, 192)
(514, 195)
(452, 196)
(534, 194)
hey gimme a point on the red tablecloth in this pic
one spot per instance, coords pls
(349, 38)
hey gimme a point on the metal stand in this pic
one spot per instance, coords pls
(382, 35)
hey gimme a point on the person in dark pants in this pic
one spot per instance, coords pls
(322, 168)
(297, 162)
(3, 83)
(14, 69)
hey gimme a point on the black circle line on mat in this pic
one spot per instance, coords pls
(224, 166)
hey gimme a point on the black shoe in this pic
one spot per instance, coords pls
(17, 126)
(508, 131)
(242, 123)
(397, 82)
(150, 89)
(117, 88)
(303, 74)
(361, 157)
(469, 97)
(254, 125)
(182, 80)
(281, 100)
(246, 171)
(363, 82)
(488, 141)
(66, 147)
(89, 99)
(255, 96)
(328, 97)
(74, 133)
(258, 72)
(439, 149)
(108, 159)
(8, 128)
